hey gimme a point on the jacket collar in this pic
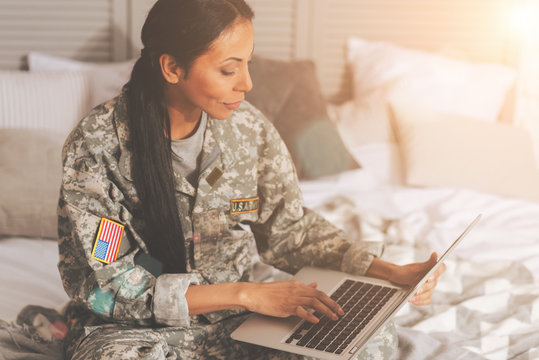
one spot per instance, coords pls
(214, 159)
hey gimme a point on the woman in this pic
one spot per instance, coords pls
(175, 166)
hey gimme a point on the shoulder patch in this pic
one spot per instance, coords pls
(107, 242)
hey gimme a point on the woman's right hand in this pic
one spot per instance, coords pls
(286, 298)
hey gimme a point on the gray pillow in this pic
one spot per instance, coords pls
(289, 94)
(273, 81)
(30, 178)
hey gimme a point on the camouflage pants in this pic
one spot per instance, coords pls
(197, 342)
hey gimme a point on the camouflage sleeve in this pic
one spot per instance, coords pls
(290, 236)
(122, 291)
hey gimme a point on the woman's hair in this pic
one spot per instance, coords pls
(183, 29)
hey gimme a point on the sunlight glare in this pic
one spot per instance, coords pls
(523, 16)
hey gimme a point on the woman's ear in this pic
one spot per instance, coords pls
(170, 70)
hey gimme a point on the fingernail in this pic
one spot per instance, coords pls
(334, 317)
(341, 311)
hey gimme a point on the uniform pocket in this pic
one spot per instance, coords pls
(222, 252)
(208, 229)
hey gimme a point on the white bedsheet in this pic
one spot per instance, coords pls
(28, 275)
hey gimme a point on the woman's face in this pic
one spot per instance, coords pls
(218, 79)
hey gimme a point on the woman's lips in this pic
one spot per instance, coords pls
(233, 106)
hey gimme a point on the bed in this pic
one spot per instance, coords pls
(414, 144)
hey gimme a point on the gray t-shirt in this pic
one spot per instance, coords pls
(186, 152)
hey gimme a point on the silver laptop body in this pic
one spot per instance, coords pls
(335, 341)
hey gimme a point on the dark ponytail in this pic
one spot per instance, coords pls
(184, 29)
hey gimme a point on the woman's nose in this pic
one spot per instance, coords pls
(245, 84)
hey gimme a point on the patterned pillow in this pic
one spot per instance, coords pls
(289, 94)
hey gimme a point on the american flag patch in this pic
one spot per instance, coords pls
(108, 240)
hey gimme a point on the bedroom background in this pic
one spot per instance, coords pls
(436, 101)
(477, 31)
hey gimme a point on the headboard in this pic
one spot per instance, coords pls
(109, 30)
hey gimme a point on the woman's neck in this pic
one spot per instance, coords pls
(182, 124)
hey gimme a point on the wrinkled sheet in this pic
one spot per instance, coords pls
(415, 344)
(487, 302)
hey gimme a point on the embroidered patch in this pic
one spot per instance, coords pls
(242, 206)
(107, 242)
(214, 176)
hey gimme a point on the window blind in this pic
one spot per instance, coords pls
(75, 29)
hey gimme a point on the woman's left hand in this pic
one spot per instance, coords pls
(408, 274)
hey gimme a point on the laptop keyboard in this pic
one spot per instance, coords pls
(360, 302)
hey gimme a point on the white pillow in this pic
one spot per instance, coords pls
(53, 101)
(106, 79)
(429, 80)
(363, 121)
(383, 160)
(451, 151)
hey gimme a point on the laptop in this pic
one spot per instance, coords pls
(368, 304)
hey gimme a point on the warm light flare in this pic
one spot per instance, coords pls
(524, 16)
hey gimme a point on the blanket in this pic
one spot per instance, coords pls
(488, 308)
(37, 334)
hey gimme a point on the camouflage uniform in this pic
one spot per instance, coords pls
(126, 309)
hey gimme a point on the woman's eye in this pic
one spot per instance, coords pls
(227, 73)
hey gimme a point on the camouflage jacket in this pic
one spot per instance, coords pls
(246, 178)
